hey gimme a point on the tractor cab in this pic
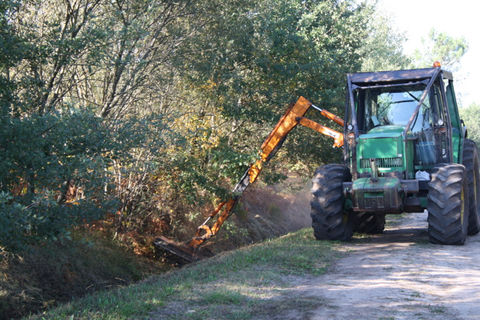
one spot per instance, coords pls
(400, 122)
(400, 127)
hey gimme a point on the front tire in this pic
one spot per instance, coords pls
(329, 221)
(470, 161)
(448, 205)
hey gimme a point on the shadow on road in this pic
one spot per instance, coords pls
(412, 229)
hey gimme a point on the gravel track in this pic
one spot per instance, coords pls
(398, 275)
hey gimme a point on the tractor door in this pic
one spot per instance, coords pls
(457, 127)
(430, 130)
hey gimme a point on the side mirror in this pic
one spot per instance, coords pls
(465, 131)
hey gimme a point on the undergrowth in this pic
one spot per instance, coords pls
(101, 256)
(49, 273)
(241, 284)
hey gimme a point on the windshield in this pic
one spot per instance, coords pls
(395, 106)
(382, 106)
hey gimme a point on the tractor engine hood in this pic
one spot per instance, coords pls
(384, 144)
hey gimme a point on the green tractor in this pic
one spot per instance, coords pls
(405, 150)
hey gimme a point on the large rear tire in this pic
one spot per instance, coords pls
(470, 161)
(448, 205)
(369, 223)
(329, 221)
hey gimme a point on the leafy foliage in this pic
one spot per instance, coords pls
(471, 116)
(143, 109)
(383, 48)
(259, 57)
(440, 47)
(52, 175)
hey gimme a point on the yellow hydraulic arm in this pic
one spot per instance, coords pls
(292, 117)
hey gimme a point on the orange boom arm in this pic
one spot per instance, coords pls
(292, 117)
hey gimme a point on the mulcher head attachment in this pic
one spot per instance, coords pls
(176, 249)
(181, 253)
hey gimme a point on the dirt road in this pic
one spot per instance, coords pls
(399, 275)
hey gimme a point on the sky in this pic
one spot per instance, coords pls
(456, 18)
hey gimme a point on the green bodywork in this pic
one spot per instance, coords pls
(383, 195)
(457, 132)
(387, 145)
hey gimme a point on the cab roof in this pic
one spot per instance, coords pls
(397, 75)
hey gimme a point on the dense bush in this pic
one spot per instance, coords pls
(53, 174)
(141, 109)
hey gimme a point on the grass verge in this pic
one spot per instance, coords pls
(249, 283)
(51, 273)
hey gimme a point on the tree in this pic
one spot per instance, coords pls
(255, 58)
(117, 97)
(55, 152)
(471, 116)
(97, 53)
(383, 48)
(440, 47)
